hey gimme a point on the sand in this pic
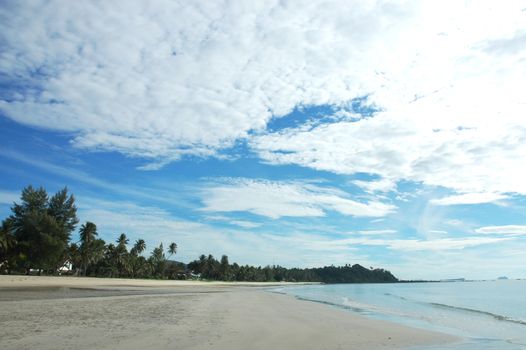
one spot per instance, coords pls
(91, 313)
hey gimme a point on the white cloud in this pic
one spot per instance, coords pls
(441, 232)
(175, 78)
(454, 222)
(469, 198)
(377, 232)
(298, 249)
(432, 128)
(9, 197)
(383, 185)
(156, 225)
(507, 229)
(398, 148)
(441, 244)
(276, 199)
(167, 79)
(245, 224)
(240, 223)
(117, 216)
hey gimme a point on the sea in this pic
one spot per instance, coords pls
(486, 314)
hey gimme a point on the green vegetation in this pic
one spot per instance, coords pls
(39, 230)
(209, 268)
(37, 237)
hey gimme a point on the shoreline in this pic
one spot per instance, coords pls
(110, 314)
(21, 281)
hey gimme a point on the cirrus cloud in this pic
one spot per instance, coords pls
(469, 198)
(505, 230)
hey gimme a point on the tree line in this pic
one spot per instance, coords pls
(37, 237)
(209, 268)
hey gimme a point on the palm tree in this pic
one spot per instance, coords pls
(139, 246)
(7, 243)
(157, 261)
(88, 232)
(122, 255)
(172, 249)
(98, 248)
(7, 240)
(75, 257)
(136, 262)
(122, 241)
(110, 258)
(224, 268)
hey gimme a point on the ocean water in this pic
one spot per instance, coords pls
(488, 314)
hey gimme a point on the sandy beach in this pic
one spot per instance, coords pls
(92, 313)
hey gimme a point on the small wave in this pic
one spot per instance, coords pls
(395, 296)
(277, 292)
(361, 306)
(342, 306)
(347, 304)
(464, 309)
(367, 309)
(480, 312)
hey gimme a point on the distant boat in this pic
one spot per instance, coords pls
(503, 278)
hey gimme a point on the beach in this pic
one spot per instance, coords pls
(92, 313)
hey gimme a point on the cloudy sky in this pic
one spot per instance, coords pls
(390, 134)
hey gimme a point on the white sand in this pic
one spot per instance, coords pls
(194, 315)
(12, 281)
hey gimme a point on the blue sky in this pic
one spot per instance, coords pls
(277, 133)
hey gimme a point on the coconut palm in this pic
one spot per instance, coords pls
(136, 262)
(122, 256)
(139, 246)
(172, 248)
(88, 232)
(122, 241)
(7, 243)
(157, 261)
(7, 240)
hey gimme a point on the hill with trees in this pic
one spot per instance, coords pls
(210, 268)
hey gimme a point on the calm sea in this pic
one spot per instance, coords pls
(489, 314)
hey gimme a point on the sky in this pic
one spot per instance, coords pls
(386, 133)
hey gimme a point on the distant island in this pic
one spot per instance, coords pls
(36, 238)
